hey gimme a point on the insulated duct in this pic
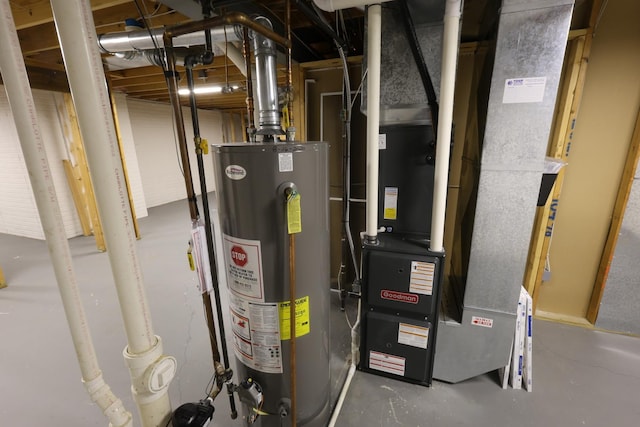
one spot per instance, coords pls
(141, 47)
(129, 41)
(264, 51)
(333, 5)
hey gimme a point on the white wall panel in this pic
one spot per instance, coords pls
(18, 212)
(158, 156)
(152, 160)
(131, 157)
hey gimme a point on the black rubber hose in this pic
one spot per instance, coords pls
(410, 31)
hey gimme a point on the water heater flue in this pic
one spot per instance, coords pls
(264, 51)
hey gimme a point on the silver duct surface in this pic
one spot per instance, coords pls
(531, 42)
(402, 95)
(266, 82)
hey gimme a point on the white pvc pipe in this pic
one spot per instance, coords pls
(352, 370)
(77, 36)
(333, 5)
(447, 86)
(374, 30)
(16, 84)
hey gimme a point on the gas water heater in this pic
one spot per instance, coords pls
(264, 190)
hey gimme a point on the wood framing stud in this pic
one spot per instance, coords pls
(3, 282)
(80, 177)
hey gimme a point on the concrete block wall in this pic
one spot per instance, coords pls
(18, 212)
(152, 160)
(158, 156)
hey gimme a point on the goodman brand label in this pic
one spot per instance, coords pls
(235, 172)
(399, 296)
(482, 321)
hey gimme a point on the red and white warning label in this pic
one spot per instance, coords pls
(386, 363)
(415, 336)
(256, 334)
(421, 280)
(482, 321)
(243, 259)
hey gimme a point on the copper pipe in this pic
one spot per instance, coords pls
(289, 65)
(292, 324)
(231, 18)
(171, 76)
(246, 51)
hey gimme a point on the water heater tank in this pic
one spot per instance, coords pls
(251, 181)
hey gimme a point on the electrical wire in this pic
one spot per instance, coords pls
(355, 95)
(163, 63)
(347, 190)
(175, 144)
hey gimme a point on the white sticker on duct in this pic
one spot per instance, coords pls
(421, 280)
(386, 363)
(415, 336)
(235, 172)
(285, 162)
(243, 262)
(524, 90)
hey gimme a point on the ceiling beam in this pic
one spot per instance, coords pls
(29, 13)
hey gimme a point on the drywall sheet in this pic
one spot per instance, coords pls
(621, 299)
(599, 148)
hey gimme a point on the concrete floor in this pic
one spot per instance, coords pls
(581, 377)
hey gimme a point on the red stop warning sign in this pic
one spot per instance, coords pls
(239, 256)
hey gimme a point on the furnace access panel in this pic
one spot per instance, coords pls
(400, 301)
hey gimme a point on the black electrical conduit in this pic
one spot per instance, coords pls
(414, 44)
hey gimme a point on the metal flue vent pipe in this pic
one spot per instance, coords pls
(264, 51)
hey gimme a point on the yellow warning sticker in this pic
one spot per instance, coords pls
(294, 215)
(303, 325)
(390, 203)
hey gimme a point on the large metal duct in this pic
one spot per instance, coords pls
(131, 41)
(531, 41)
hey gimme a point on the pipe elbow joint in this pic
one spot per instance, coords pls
(110, 405)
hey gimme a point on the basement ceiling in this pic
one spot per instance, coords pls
(39, 43)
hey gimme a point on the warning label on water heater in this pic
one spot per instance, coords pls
(243, 259)
(256, 334)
